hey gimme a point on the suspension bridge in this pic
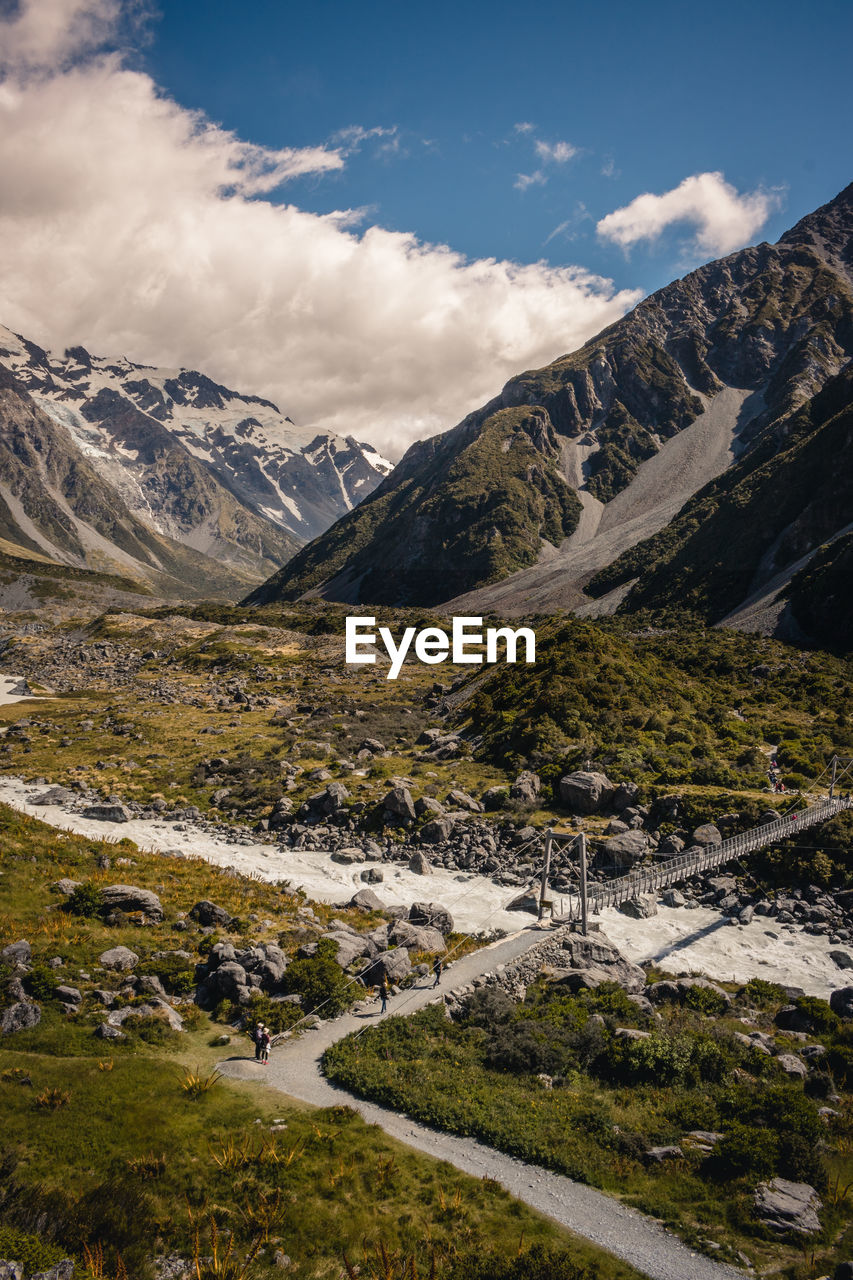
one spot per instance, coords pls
(589, 899)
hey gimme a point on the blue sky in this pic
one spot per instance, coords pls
(647, 93)
(376, 214)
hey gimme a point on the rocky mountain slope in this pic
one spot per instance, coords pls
(573, 465)
(162, 475)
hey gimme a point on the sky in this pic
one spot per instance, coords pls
(376, 214)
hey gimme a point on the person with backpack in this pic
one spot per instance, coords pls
(437, 968)
(266, 1041)
(256, 1039)
(383, 994)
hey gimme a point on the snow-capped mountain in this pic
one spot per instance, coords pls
(121, 414)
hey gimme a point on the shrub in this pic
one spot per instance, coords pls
(762, 994)
(177, 976)
(86, 900)
(42, 982)
(822, 1018)
(704, 1000)
(33, 1253)
(747, 1151)
(320, 981)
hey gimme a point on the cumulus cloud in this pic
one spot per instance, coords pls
(723, 219)
(136, 227)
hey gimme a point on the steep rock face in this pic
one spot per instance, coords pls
(222, 473)
(736, 347)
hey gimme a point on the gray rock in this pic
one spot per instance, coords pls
(208, 913)
(707, 834)
(657, 1155)
(17, 952)
(674, 898)
(63, 1270)
(842, 959)
(394, 965)
(626, 796)
(19, 1017)
(624, 850)
(841, 1002)
(784, 1207)
(68, 995)
(372, 875)
(419, 863)
(746, 914)
(432, 914)
(366, 899)
(427, 804)
(494, 797)
(127, 897)
(586, 792)
(118, 958)
(105, 1032)
(373, 745)
(416, 937)
(229, 981)
(527, 901)
(107, 813)
(631, 1033)
(639, 908)
(351, 854)
(686, 984)
(399, 802)
(792, 1065)
(11, 1271)
(155, 1008)
(351, 946)
(65, 886)
(461, 800)
(526, 786)
(578, 952)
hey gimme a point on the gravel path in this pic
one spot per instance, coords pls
(294, 1069)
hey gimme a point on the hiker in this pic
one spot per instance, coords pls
(266, 1041)
(256, 1039)
(383, 994)
(437, 970)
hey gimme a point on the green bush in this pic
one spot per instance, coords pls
(42, 982)
(747, 1151)
(320, 981)
(33, 1253)
(176, 974)
(822, 1018)
(762, 994)
(86, 900)
(704, 1000)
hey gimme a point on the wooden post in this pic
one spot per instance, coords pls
(582, 850)
(546, 868)
(834, 773)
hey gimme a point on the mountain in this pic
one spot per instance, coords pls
(574, 465)
(162, 475)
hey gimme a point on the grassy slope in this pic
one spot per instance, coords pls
(128, 1159)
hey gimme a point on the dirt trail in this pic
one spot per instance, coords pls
(294, 1069)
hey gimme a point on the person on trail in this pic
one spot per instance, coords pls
(266, 1041)
(437, 968)
(383, 994)
(256, 1039)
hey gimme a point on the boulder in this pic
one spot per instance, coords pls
(578, 952)
(416, 937)
(393, 965)
(366, 899)
(494, 797)
(63, 1270)
(346, 857)
(841, 1002)
(658, 992)
(673, 898)
(118, 958)
(793, 1066)
(155, 1008)
(427, 804)
(624, 850)
(461, 800)
(107, 813)
(127, 897)
(351, 946)
(784, 1207)
(228, 981)
(208, 913)
(625, 796)
(273, 966)
(707, 834)
(373, 745)
(842, 959)
(586, 792)
(639, 908)
(65, 886)
(432, 914)
(419, 863)
(790, 1018)
(11, 1270)
(526, 786)
(19, 1017)
(68, 995)
(526, 901)
(687, 984)
(17, 952)
(657, 1155)
(399, 802)
(372, 875)
(334, 798)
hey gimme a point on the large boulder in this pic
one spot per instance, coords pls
(350, 946)
(228, 981)
(526, 786)
(416, 937)
(19, 1017)
(120, 958)
(707, 834)
(428, 804)
(639, 908)
(437, 831)
(207, 913)
(625, 796)
(399, 802)
(527, 901)
(623, 850)
(156, 1008)
(393, 965)
(586, 791)
(420, 864)
(17, 952)
(841, 1002)
(127, 897)
(461, 800)
(785, 1207)
(597, 952)
(366, 899)
(432, 914)
(272, 967)
(107, 813)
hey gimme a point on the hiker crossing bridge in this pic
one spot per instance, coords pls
(592, 898)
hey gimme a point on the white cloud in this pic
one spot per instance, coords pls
(723, 219)
(134, 226)
(525, 180)
(46, 33)
(523, 126)
(555, 152)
